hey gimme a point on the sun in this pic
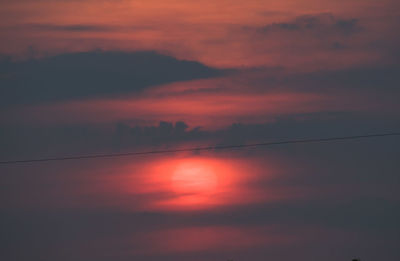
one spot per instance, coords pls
(190, 182)
(194, 177)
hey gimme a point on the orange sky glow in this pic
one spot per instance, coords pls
(218, 33)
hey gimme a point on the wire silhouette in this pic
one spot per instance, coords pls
(208, 148)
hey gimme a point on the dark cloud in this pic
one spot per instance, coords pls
(348, 26)
(338, 46)
(63, 140)
(382, 78)
(321, 124)
(317, 24)
(164, 133)
(92, 74)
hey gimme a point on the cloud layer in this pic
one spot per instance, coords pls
(92, 74)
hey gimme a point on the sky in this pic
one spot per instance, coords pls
(86, 77)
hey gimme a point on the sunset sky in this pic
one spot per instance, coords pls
(89, 77)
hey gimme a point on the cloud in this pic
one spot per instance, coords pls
(301, 125)
(25, 141)
(165, 132)
(317, 24)
(382, 78)
(92, 74)
(308, 41)
(338, 46)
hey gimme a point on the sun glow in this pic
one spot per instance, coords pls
(194, 178)
(194, 182)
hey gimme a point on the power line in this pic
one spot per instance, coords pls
(219, 147)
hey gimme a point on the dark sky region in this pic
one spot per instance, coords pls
(113, 76)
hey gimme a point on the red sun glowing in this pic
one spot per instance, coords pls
(188, 182)
(194, 178)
